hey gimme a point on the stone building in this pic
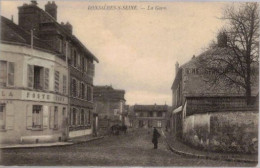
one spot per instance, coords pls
(33, 99)
(109, 103)
(61, 66)
(193, 94)
(149, 116)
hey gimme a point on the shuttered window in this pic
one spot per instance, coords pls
(10, 73)
(56, 81)
(30, 76)
(55, 120)
(45, 116)
(3, 73)
(46, 78)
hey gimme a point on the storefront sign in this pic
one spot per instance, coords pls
(11, 94)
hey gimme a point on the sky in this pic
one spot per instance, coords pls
(138, 49)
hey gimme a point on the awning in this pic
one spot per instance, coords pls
(179, 109)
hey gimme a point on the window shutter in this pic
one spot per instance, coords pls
(9, 116)
(29, 117)
(10, 73)
(51, 117)
(30, 74)
(3, 73)
(45, 116)
(46, 78)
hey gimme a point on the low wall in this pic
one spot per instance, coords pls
(223, 131)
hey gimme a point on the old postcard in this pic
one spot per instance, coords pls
(129, 83)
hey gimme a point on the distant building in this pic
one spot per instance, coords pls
(109, 103)
(192, 94)
(149, 116)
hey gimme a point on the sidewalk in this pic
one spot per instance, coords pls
(54, 144)
(180, 148)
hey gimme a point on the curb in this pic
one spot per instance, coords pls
(35, 146)
(208, 157)
(46, 145)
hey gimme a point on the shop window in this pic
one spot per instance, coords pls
(2, 116)
(56, 81)
(159, 123)
(37, 116)
(6, 73)
(82, 117)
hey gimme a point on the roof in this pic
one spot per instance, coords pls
(155, 107)
(197, 84)
(108, 93)
(12, 33)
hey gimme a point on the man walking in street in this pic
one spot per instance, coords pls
(156, 135)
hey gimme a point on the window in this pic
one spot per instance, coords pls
(37, 116)
(55, 125)
(150, 123)
(150, 114)
(64, 81)
(6, 73)
(38, 77)
(3, 73)
(159, 114)
(74, 116)
(89, 117)
(75, 58)
(79, 60)
(89, 93)
(136, 114)
(2, 116)
(163, 114)
(159, 123)
(82, 117)
(74, 88)
(56, 81)
(141, 123)
(82, 91)
(60, 45)
(78, 89)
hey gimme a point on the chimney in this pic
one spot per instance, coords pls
(222, 39)
(51, 8)
(34, 2)
(68, 27)
(176, 68)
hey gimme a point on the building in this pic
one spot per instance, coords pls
(109, 103)
(33, 100)
(66, 75)
(149, 116)
(192, 94)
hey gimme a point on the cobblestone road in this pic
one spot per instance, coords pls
(133, 149)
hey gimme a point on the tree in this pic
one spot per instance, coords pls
(235, 64)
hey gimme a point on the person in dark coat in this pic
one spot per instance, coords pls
(156, 135)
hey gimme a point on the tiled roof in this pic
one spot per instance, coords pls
(12, 33)
(150, 108)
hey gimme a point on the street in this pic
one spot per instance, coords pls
(132, 149)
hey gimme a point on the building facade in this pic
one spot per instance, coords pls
(33, 101)
(192, 93)
(56, 71)
(149, 116)
(110, 105)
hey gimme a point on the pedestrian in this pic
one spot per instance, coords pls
(156, 135)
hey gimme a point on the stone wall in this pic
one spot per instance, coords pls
(223, 132)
